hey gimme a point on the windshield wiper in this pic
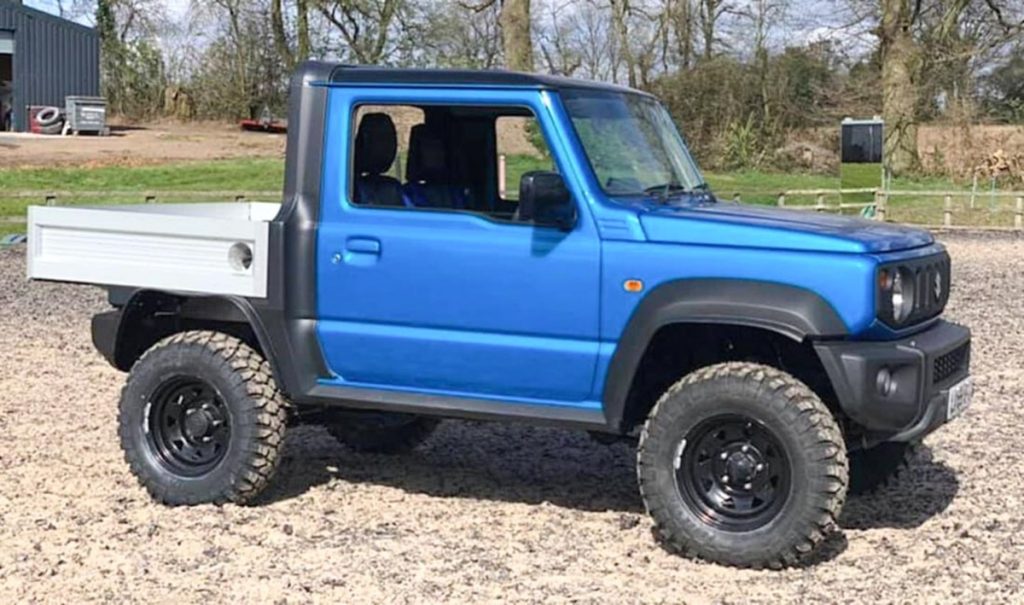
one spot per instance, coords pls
(663, 193)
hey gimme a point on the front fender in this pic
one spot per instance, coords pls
(793, 312)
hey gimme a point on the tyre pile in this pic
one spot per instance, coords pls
(47, 120)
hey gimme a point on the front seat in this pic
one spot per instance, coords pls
(376, 146)
(427, 172)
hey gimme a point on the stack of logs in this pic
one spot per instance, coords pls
(1001, 164)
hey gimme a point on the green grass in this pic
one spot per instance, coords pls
(263, 174)
(248, 174)
(224, 175)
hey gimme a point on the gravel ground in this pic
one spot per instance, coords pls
(483, 512)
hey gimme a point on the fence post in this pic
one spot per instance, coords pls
(150, 199)
(736, 198)
(1018, 214)
(947, 212)
(881, 199)
(782, 200)
(819, 205)
(240, 199)
(51, 199)
(502, 168)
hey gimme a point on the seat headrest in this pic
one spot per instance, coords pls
(376, 144)
(427, 159)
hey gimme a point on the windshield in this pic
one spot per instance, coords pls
(632, 144)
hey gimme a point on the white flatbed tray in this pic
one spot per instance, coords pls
(204, 248)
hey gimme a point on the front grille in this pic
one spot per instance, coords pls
(931, 288)
(950, 363)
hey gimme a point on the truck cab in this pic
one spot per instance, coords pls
(767, 362)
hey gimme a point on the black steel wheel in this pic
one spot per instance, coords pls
(734, 472)
(742, 464)
(189, 425)
(201, 420)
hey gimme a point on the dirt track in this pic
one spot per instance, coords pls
(131, 146)
(483, 512)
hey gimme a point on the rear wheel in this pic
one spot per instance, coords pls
(381, 433)
(201, 420)
(742, 464)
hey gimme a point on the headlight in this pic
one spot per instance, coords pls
(913, 290)
(896, 294)
(902, 295)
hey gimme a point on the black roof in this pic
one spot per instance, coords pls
(339, 73)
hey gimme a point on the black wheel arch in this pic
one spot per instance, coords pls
(792, 312)
(143, 317)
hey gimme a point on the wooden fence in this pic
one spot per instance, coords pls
(879, 205)
(52, 198)
(55, 198)
(881, 198)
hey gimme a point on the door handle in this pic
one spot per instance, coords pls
(363, 245)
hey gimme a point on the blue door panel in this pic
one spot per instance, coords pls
(453, 302)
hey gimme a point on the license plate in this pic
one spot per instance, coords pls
(959, 398)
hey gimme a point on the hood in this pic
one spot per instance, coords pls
(721, 223)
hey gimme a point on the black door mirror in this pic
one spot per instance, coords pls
(545, 200)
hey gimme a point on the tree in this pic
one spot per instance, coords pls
(516, 36)
(131, 65)
(367, 27)
(282, 42)
(900, 68)
(1005, 88)
(709, 14)
(453, 35)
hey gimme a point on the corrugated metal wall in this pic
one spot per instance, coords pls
(53, 59)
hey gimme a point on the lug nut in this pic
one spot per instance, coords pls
(747, 485)
(725, 478)
(759, 467)
(745, 449)
(724, 455)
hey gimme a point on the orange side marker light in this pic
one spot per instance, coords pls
(633, 285)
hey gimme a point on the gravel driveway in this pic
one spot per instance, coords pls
(483, 512)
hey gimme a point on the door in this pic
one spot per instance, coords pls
(460, 299)
(6, 79)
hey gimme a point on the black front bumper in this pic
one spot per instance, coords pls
(922, 368)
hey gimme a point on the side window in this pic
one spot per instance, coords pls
(380, 153)
(450, 158)
(521, 149)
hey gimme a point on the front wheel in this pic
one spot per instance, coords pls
(201, 420)
(742, 464)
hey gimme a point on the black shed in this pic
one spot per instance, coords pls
(43, 59)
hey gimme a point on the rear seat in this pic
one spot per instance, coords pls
(427, 173)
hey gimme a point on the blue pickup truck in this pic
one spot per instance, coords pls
(764, 361)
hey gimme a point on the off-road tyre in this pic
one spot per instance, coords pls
(247, 422)
(876, 467)
(381, 433)
(774, 405)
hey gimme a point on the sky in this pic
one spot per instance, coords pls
(175, 8)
